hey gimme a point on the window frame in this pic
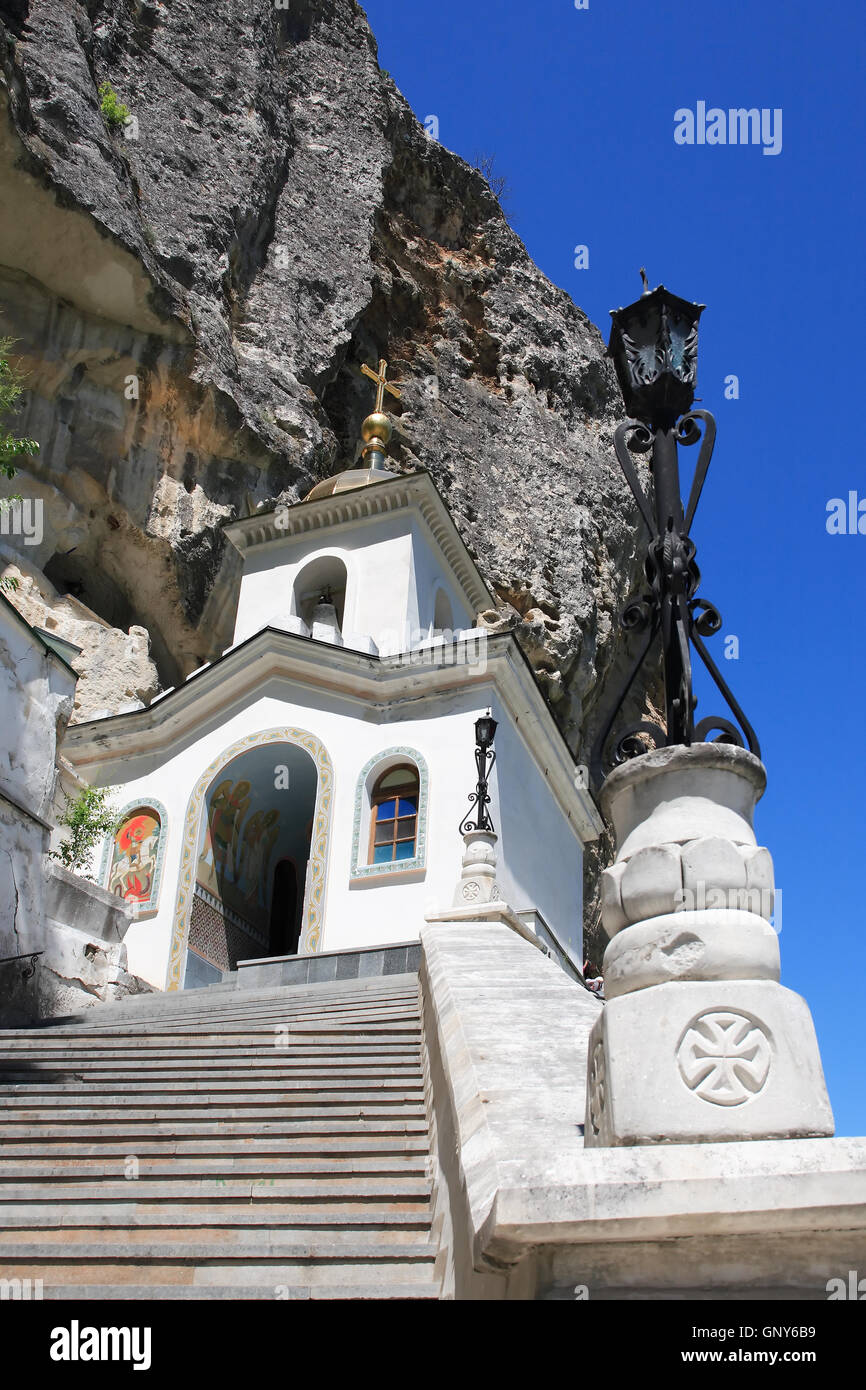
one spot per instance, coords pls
(362, 874)
(410, 787)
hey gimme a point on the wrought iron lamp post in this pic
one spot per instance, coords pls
(485, 757)
(654, 346)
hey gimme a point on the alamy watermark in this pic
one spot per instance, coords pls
(764, 902)
(444, 648)
(20, 1290)
(853, 1289)
(23, 517)
(735, 126)
(846, 518)
(77, 1343)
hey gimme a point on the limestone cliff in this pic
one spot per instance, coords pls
(193, 305)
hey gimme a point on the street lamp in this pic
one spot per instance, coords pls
(485, 731)
(654, 347)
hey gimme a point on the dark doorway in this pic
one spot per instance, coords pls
(285, 911)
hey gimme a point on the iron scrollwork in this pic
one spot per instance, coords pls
(480, 798)
(669, 609)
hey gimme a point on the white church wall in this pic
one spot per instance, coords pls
(393, 576)
(430, 580)
(36, 696)
(540, 856)
(377, 556)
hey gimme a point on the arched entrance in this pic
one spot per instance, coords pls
(264, 803)
(285, 917)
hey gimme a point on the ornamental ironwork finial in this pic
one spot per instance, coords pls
(654, 346)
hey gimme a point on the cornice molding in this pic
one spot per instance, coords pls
(368, 503)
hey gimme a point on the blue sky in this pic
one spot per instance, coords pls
(578, 108)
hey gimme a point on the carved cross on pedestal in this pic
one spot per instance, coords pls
(382, 383)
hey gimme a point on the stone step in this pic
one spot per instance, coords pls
(21, 1071)
(172, 1167)
(379, 1107)
(69, 1094)
(142, 1079)
(138, 1293)
(357, 1145)
(91, 1209)
(244, 1024)
(45, 1221)
(350, 1187)
(254, 1246)
(65, 1242)
(318, 1038)
(266, 1054)
(202, 1130)
(187, 1010)
(140, 1089)
(273, 1047)
(162, 1265)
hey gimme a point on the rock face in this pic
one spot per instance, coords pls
(193, 304)
(115, 669)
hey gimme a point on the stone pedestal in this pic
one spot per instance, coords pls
(698, 1041)
(477, 882)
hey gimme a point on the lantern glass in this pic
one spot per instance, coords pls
(485, 730)
(654, 346)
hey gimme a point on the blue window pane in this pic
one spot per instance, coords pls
(408, 807)
(386, 810)
(406, 849)
(383, 854)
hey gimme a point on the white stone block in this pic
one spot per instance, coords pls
(651, 882)
(713, 863)
(705, 1062)
(613, 917)
(709, 945)
(678, 794)
(760, 879)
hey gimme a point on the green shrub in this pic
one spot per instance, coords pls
(88, 818)
(11, 388)
(114, 113)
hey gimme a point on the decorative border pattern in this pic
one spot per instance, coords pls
(397, 866)
(314, 898)
(108, 842)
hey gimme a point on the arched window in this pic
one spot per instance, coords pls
(394, 818)
(443, 620)
(399, 858)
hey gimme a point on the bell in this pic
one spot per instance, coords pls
(324, 624)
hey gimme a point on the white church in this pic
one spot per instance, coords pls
(304, 792)
(366, 1063)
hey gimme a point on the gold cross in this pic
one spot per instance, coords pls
(382, 383)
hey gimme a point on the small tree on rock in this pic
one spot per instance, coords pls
(88, 819)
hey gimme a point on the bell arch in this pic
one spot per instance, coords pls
(327, 572)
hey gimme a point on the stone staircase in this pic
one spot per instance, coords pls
(221, 1143)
